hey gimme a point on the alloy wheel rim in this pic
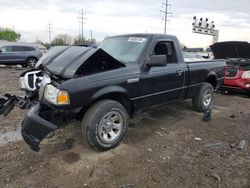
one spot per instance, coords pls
(32, 62)
(207, 98)
(110, 127)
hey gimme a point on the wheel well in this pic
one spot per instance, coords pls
(119, 97)
(212, 80)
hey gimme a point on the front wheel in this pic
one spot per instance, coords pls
(203, 99)
(105, 124)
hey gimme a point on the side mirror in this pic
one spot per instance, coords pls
(157, 61)
(1, 51)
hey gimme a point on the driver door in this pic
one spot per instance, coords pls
(163, 84)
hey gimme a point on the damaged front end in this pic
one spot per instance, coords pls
(41, 119)
(42, 93)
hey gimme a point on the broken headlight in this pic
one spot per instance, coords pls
(56, 96)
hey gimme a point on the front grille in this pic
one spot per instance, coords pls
(31, 80)
(231, 72)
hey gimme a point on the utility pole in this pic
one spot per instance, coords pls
(91, 35)
(166, 13)
(82, 18)
(79, 29)
(49, 29)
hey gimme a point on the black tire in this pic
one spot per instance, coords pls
(248, 93)
(94, 129)
(31, 61)
(200, 102)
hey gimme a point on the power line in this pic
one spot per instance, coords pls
(82, 18)
(165, 19)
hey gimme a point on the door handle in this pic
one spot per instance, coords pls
(179, 72)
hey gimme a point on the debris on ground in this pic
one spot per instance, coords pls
(160, 134)
(233, 116)
(196, 138)
(216, 177)
(128, 186)
(208, 114)
(149, 149)
(242, 144)
(213, 145)
(92, 172)
(233, 145)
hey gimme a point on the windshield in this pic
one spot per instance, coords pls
(125, 49)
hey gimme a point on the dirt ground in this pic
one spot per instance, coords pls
(170, 146)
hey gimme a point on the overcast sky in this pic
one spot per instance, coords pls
(111, 17)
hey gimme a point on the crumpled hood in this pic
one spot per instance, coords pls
(231, 49)
(65, 61)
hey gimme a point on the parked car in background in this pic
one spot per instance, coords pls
(237, 72)
(193, 56)
(19, 54)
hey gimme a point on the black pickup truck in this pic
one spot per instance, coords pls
(104, 86)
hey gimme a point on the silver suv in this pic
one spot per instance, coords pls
(19, 54)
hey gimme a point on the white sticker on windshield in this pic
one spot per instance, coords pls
(137, 39)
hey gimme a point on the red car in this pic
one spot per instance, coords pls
(237, 72)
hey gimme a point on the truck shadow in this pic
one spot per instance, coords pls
(139, 129)
(234, 93)
(162, 118)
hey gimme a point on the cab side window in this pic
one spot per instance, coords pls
(166, 48)
(17, 49)
(28, 48)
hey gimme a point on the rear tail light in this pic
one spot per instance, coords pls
(246, 75)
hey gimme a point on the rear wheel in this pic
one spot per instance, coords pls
(31, 62)
(105, 124)
(203, 99)
(248, 93)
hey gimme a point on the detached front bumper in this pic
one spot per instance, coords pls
(35, 128)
